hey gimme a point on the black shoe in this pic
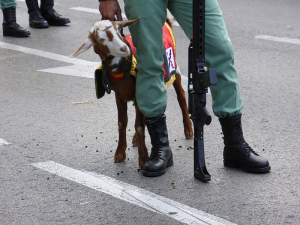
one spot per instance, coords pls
(10, 27)
(53, 18)
(35, 18)
(37, 21)
(237, 153)
(161, 155)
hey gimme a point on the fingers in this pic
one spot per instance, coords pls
(119, 16)
(109, 9)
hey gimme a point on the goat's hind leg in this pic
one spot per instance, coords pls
(139, 137)
(120, 154)
(135, 140)
(188, 126)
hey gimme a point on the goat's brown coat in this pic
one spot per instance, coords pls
(126, 93)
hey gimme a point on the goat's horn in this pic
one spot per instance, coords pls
(85, 46)
(126, 23)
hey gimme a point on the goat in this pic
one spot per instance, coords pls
(112, 48)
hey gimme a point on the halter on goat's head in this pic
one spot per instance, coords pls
(106, 39)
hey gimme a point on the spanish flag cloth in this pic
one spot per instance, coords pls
(169, 55)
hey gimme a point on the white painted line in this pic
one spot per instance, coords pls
(81, 68)
(48, 55)
(85, 9)
(4, 142)
(86, 71)
(279, 39)
(133, 194)
(24, 1)
(91, 10)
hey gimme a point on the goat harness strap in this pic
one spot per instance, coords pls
(124, 65)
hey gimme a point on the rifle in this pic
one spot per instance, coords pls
(199, 79)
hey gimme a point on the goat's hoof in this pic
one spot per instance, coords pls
(135, 140)
(142, 161)
(141, 165)
(120, 157)
(189, 134)
(188, 129)
(134, 143)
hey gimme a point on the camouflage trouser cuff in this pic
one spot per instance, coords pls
(8, 4)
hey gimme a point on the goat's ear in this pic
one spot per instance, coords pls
(126, 23)
(85, 46)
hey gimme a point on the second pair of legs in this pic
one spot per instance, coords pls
(44, 15)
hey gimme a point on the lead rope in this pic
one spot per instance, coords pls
(126, 70)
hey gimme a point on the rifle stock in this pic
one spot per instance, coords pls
(199, 79)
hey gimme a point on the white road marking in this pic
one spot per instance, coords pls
(133, 194)
(86, 71)
(81, 68)
(24, 1)
(279, 39)
(4, 142)
(90, 10)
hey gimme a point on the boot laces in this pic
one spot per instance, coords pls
(248, 148)
(17, 26)
(36, 15)
(155, 153)
(241, 140)
(55, 13)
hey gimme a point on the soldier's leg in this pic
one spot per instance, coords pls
(49, 14)
(219, 54)
(9, 25)
(148, 40)
(151, 93)
(227, 102)
(35, 18)
(8, 4)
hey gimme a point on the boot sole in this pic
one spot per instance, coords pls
(7, 34)
(39, 26)
(62, 23)
(158, 173)
(246, 169)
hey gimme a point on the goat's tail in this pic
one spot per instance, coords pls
(169, 19)
(169, 22)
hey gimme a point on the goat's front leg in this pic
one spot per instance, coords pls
(139, 137)
(120, 154)
(188, 126)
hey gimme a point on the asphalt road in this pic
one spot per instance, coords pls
(55, 134)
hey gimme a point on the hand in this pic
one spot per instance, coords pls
(109, 9)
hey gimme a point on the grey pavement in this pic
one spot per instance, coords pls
(56, 117)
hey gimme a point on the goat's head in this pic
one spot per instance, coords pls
(106, 39)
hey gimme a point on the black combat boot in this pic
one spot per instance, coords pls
(237, 153)
(49, 14)
(161, 155)
(9, 25)
(35, 18)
